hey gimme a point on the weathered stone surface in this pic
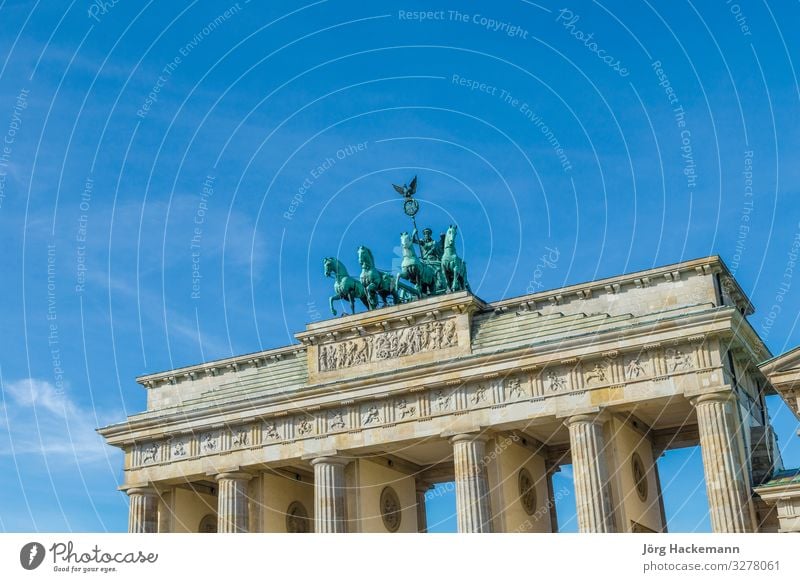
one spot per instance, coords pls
(727, 476)
(386, 389)
(232, 508)
(593, 501)
(330, 500)
(143, 516)
(472, 485)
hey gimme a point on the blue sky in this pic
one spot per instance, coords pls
(616, 133)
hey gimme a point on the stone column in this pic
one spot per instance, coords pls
(725, 471)
(590, 469)
(330, 503)
(422, 487)
(143, 514)
(472, 484)
(232, 502)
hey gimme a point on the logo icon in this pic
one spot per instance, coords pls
(31, 555)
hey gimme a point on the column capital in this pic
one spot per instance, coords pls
(724, 396)
(329, 460)
(143, 510)
(141, 490)
(237, 475)
(469, 437)
(587, 418)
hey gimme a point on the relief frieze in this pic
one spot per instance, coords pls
(521, 385)
(396, 343)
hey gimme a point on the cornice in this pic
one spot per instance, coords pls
(711, 322)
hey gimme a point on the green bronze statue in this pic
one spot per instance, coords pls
(345, 287)
(376, 283)
(439, 270)
(453, 266)
(425, 277)
(431, 249)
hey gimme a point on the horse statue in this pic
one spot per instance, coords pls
(426, 278)
(376, 283)
(345, 287)
(453, 266)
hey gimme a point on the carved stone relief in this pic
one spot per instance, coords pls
(150, 453)
(405, 410)
(372, 415)
(635, 368)
(395, 343)
(556, 382)
(208, 524)
(443, 401)
(597, 375)
(271, 431)
(305, 427)
(179, 449)
(240, 438)
(297, 518)
(679, 360)
(391, 510)
(336, 420)
(639, 476)
(527, 491)
(209, 443)
(514, 390)
(480, 395)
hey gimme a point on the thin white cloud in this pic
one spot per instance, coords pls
(39, 419)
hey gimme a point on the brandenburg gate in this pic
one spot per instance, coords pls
(347, 429)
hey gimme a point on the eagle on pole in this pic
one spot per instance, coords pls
(410, 206)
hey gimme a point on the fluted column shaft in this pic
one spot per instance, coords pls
(330, 502)
(472, 485)
(725, 471)
(590, 469)
(232, 506)
(143, 513)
